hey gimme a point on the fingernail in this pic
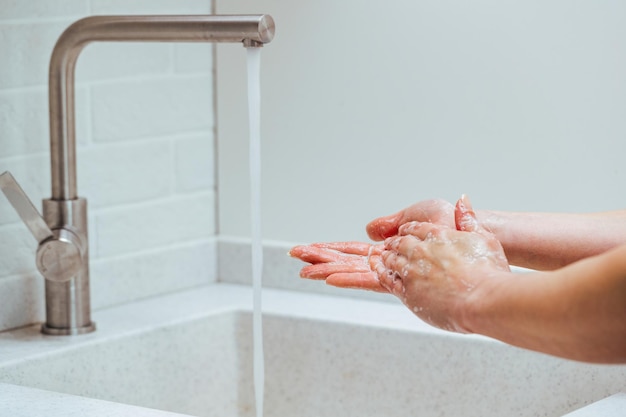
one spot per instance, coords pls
(466, 201)
(464, 216)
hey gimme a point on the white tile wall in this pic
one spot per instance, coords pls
(23, 120)
(145, 158)
(17, 9)
(146, 108)
(26, 46)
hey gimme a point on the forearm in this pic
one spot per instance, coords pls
(577, 312)
(546, 241)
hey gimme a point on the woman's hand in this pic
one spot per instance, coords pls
(430, 267)
(434, 269)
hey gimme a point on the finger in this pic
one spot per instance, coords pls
(422, 231)
(465, 217)
(384, 227)
(387, 277)
(362, 281)
(410, 253)
(410, 249)
(374, 259)
(323, 270)
(314, 255)
(353, 248)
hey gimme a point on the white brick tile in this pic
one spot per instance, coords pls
(153, 107)
(195, 162)
(17, 247)
(24, 126)
(23, 122)
(151, 6)
(27, 47)
(124, 279)
(193, 57)
(153, 225)
(125, 172)
(21, 300)
(32, 9)
(101, 61)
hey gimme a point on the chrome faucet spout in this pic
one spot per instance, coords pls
(251, 30)
(63, 254)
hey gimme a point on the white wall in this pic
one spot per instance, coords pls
(370, 106)
(145, 157)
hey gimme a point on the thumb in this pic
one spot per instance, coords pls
(465, 218)
(384, 227)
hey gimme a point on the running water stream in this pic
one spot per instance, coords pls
(254, 114)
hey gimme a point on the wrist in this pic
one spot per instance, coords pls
(480, 306)
(493, 221)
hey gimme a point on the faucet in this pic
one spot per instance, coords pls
(63, 254)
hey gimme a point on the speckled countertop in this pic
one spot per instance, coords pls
(16, 401)
(20, 401)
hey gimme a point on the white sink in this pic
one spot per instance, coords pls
(191, 353)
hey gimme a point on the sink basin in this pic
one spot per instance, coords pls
(191, 353)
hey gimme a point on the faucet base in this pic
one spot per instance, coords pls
(68, 309)
(55, 331)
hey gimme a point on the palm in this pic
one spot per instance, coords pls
(341, 264)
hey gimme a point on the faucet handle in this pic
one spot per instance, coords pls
(60, 251)
(24, 207)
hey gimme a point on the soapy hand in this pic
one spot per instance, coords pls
(351, 264)
(433, 269)
(341, 264)
(430, 266)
